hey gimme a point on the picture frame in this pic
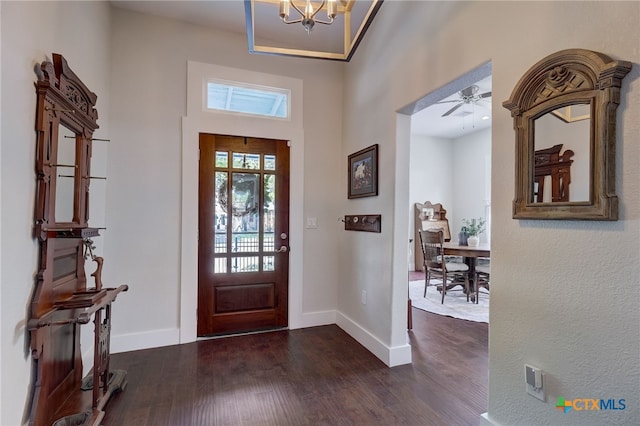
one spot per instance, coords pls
(363, 173)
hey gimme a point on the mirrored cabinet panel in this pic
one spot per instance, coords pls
(66, 175)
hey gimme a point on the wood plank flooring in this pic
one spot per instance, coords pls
(312, 376)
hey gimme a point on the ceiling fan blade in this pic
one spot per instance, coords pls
(485, 95)
(447, 102)
(452, 109)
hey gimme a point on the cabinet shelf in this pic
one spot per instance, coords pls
(82, 314)
(69, 232)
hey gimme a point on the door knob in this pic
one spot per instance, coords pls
(282, 249)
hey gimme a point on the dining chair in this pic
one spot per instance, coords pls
(482, 276)
(437, 219)
(437, 266)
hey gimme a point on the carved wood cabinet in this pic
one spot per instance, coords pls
(62, 301)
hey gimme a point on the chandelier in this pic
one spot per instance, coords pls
(307, 17)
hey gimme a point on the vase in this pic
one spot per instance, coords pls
(462, 239)
(474, 241)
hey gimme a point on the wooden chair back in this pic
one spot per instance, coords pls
(550, 163)
(431, 241)
(424, 221)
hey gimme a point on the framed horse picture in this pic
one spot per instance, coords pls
(363, 173)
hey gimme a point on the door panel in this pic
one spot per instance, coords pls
(243, 256)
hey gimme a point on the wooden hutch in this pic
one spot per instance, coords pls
(62, 302)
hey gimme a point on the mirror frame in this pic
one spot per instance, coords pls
(62, 99)
(564, 78)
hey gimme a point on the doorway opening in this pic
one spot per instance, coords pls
(448, 136)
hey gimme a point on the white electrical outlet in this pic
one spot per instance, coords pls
(534, 382)
(364, 297)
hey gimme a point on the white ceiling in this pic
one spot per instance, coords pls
(229, 15)
(464, 120)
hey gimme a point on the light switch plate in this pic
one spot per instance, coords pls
(312, 222)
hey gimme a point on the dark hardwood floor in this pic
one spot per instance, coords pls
(312, 376)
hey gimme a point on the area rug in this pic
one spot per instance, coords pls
(455, 302)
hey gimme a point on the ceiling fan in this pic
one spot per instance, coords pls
(467, 96)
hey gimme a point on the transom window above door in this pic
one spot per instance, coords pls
(248, 99)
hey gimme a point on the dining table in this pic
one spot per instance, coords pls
(470, 255)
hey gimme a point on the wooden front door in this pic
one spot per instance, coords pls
(243, 241)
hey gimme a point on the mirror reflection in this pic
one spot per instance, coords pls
(65, 175)
(562, 145)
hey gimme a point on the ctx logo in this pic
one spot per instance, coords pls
(589, 404)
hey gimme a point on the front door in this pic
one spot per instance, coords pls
(243, 241)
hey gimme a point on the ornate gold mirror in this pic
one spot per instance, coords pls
(564, 112)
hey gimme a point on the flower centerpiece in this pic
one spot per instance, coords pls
(473, 228)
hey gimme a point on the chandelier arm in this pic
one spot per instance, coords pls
(297, 9)
(297, 21)
(318, 9)
(323, 22)
(307, 21)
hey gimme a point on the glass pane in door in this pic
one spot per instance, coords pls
(245, 213)
(269, 212)
(221, 212)
(243, 160)
(222, 159)
(269, 162)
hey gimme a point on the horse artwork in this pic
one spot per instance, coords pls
(363, 173)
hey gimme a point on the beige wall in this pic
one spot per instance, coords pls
(564, 293)
(149, 92)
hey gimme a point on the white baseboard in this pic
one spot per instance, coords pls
(313, 319)
(171, 336)
(145, 340)
(391, 356)
(133, 342)
(399, 355)
(485, 421)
